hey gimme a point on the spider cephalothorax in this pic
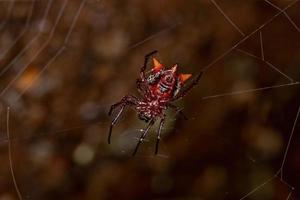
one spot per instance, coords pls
(159, 88)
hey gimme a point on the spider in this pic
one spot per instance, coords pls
(158, 87)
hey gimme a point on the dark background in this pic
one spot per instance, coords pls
(58, 122)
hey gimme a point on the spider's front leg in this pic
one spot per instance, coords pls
(143, 68)
(142, 84)
(127, 100)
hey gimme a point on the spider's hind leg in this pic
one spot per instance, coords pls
(191, 86)
(126, 100)
(161, 124)
(145, 131)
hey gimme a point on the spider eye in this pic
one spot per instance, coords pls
(151, 78)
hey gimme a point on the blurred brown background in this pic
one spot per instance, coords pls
(90, 58)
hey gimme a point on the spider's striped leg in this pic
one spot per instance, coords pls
(193, 84)
(142, 84)
(114, 107)
(126, 100)
(178, 110)
(114, 122)
(145, 131)
(161, 124)
(143, 68)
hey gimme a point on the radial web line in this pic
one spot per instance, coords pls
(248, 36)
(289, 143)
(280, 171)
(154, 35)
(22, 32)
(52, 133)
(284, 182)
(10, 155)
(261, 46)
(8, 15)
(60, 50)
(249, 90)
(227, 17)
(258, 187)
(275, 68)
(30, 42)
(285, 14)
(39, 50)
(74, 21)
(267, 63)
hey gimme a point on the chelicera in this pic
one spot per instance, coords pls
(159, 88)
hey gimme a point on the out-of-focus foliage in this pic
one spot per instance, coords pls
(59, 123)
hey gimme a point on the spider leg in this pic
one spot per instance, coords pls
(178, 110)
(161, 124)
(114, 106)
(126, 100)
(141, 82)
(193, 84)
(145, 131)
(114, 122)
(143, 68)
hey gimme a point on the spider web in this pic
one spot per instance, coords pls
(23, 70)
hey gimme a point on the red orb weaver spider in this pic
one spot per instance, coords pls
(159, 88)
